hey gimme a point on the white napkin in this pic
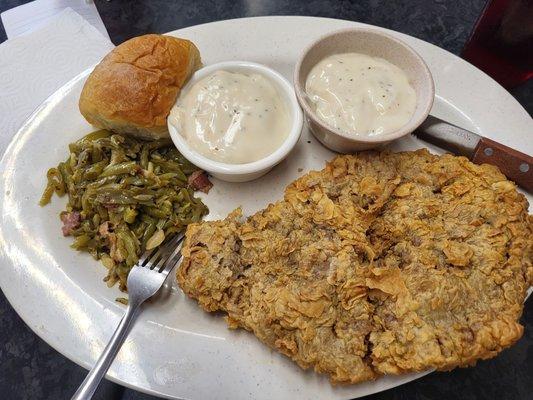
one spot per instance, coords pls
(34, 66)
(36, 14)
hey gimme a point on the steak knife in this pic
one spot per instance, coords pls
(515, 165)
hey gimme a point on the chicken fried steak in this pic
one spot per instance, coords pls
(382, 263)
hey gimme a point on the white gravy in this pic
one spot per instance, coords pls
(360, 95)
(233, 118)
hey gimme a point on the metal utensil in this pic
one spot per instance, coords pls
(144, 280)
(515, 165)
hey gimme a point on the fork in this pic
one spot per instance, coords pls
(144, 280)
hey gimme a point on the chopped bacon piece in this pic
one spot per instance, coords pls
(199, 181)
(70, 221)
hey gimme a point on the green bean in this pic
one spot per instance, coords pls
(73, 160)
(136, 181)
(143, 198)
(129, 215)
(117, 156)
(96, 220)
(81, 241)
(47, 195)
(129, 167)
(77, 176)
(124, 190)
(94, 170)
(84, 158)
(96, 153)
(161, 223)
(155, 212)
(145, 152)
(130, 246)
(171, 166)
(93, 136)
(150, 230)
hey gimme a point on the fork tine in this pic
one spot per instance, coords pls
(160, 254)
(164, 261)
(172, 262)
(145, 256)
(151, 253)
(170, 266)
(153, 257)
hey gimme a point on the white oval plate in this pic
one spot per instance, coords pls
(175, 349)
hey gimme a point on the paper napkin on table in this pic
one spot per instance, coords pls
(35, 65)
(36, 14)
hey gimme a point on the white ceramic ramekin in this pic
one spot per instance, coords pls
(375, 43)
(253, 170)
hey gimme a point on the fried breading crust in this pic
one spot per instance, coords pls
(382, 263)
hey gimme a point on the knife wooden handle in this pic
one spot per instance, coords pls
(515, 165)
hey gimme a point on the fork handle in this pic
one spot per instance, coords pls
(91, 382)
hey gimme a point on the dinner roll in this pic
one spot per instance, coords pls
(133, 88)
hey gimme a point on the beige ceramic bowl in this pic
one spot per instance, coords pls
(373, 43)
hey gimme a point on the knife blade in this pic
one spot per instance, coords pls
(515, 165)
